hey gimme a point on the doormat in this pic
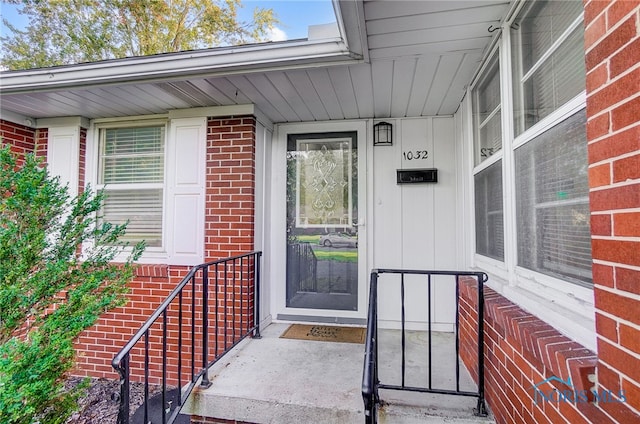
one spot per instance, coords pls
(325, 333)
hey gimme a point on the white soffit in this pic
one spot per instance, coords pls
(398, 59)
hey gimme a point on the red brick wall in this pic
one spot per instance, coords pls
(229, 222)
(229, 226)
(521, 351)
(612, 44)
(21, 138)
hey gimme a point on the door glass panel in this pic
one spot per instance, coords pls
(322, 211)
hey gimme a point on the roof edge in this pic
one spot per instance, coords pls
(206, 62)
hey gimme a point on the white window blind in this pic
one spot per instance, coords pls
(548, 59)
(132, 174)
(487, 122)
(489, 212)
(552, 202)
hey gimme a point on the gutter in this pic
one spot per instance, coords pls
(195, 63)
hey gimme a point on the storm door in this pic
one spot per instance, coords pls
(322, 227)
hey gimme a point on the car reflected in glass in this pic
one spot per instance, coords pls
(338, 240)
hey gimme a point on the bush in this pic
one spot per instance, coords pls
(57, 276)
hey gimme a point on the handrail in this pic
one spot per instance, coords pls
(369, 373)
(370, 381)
(237, 278)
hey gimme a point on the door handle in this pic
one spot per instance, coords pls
(358, 224)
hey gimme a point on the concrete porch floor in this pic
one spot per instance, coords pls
(275, 380)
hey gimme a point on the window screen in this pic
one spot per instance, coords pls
(552, 202)
(132, 173)
(489, 215)
(487, 112)
(548, 59)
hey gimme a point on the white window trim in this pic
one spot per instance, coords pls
(151, 255)
(567, 306)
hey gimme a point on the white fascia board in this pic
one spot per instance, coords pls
(195, 63)
(352, 25)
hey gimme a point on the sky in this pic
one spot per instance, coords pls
(295, 16)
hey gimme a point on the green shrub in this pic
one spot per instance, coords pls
(57, 276)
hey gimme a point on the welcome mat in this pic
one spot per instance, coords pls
(325, 333)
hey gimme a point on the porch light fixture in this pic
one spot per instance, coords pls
(382, 134)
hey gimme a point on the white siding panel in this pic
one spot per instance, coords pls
(382, 73)
(388, 9)
(286, 89)
(430, 35)
(254, 96)
(470, 63)
(322, 83)
(447, 69)
(304, 86)
(445, 211)
(186, 155)
(343, 86)
(268, 91)
(387, 226)
(404, 72)
(361, 78)
(431, 49)
(414, 224)
(425, 70)
(230, 90)
(441, 19)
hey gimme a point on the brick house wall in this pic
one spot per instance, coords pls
(520, 349)
(612, 45)
(22, 139)
(229, 231)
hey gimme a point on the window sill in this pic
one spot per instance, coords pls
(565, 308)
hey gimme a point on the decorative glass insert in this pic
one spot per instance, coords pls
(323, 181)
(322, 213)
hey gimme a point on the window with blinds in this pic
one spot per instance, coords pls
(131, 171)
(552, 202)
(547, 58)
(487, 125)
(487, 113)
(489, 212)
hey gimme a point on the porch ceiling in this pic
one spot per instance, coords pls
(418, 58)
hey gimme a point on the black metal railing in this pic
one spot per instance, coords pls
(215, 307)
(370, 377)
(302, 266)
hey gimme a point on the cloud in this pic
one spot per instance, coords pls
(276, 34)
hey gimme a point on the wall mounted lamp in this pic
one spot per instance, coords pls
(382, 134)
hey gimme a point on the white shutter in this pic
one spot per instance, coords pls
(186, 159)
(63, 156)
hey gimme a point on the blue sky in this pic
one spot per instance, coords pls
(295, 15)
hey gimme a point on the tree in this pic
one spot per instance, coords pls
(57, 276)
(62, 32)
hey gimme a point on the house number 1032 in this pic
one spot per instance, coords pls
(415, 155)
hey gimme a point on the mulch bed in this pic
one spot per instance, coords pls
(98, 406)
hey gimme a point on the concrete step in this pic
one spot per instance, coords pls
(281, 381)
